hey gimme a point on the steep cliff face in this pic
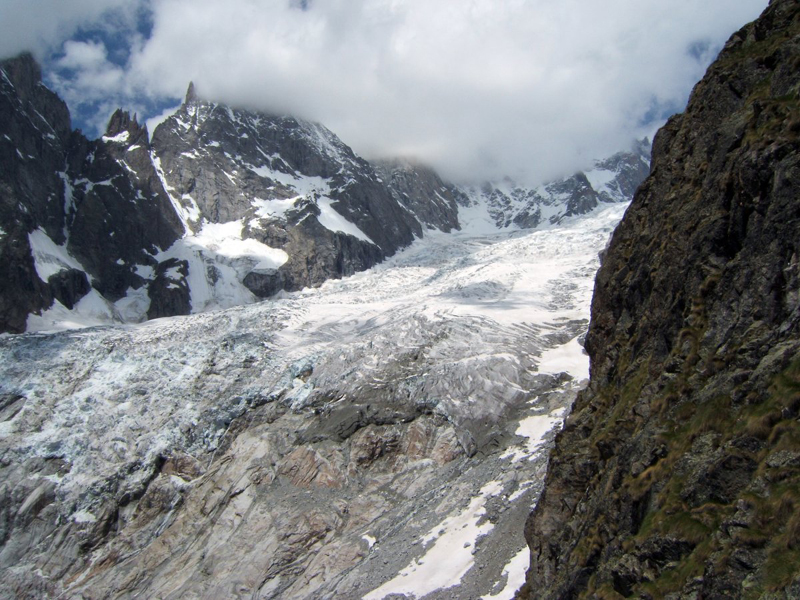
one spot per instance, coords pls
(678, 473)
(80, 219)
(118, 216)
(30, 170)
(422, 192)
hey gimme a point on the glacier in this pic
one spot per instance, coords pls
(330, 442)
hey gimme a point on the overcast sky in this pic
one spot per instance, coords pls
(478, 88)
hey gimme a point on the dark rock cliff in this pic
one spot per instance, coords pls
(678, 473)
(30, 171)
(118, 215)
(99, 203)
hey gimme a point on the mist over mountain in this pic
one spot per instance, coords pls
(532, 90)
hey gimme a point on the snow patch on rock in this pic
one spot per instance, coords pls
(514, 573)
(331, 219)
(450, 556)
(50, 258)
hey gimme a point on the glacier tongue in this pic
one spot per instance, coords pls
(327, 443)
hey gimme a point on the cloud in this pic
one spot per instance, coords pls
(478, 88)
(39, 25)
(156, 120)
(89, 82)
(93, 72)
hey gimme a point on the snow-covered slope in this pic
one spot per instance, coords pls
(383, 433)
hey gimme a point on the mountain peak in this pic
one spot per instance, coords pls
(120, 123)
(191, 94)
(23, 72)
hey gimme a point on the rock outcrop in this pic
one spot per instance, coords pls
(423, 193)
(677, 475)
(286, 181)
(118, 216)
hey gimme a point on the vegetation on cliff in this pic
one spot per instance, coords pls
(678, 473)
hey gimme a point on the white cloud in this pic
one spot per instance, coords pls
(84, 75)
(526, 87)
(531, 88)
(38, 25)
(94, 73)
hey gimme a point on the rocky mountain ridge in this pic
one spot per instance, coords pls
(220, 208)
(613, 179)
(678, 473)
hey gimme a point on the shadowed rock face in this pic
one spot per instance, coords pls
(31, 192)
(679, 470)
(118, 215)
(99, 200)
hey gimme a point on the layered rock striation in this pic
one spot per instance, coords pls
(677, 475)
